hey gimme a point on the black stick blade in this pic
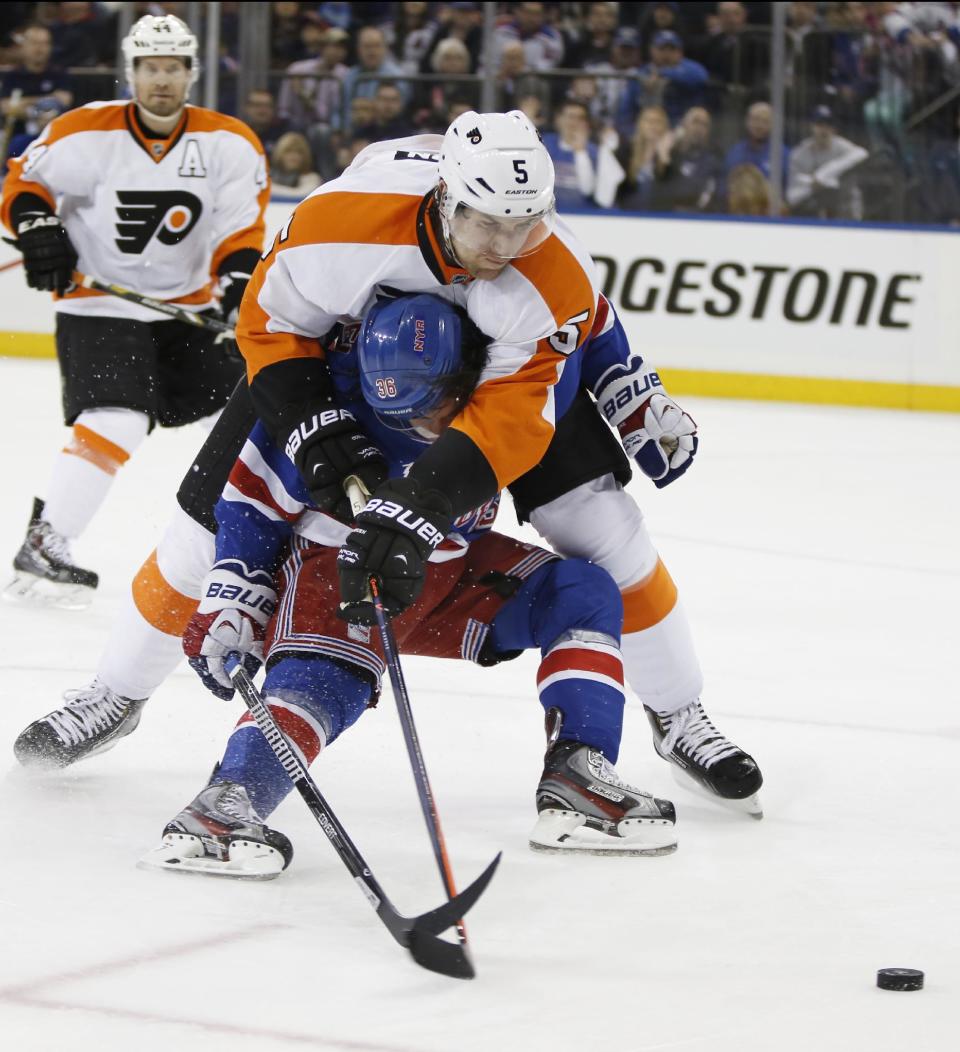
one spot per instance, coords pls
(447, 915)
(438, 955)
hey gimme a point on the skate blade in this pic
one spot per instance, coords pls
(749, 805)
(37, 591)
(566, 831)
(182, 853)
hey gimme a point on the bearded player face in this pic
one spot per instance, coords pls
(160, 85)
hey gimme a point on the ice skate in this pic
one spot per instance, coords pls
(585, 807)
(220, 834)
(93, 720)
(689, 740)
(44, 571)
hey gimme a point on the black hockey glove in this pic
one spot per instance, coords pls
(232, 287)
(49, 258)
(396, 532)
(327, 446)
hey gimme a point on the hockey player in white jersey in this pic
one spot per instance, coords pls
(471, 218)
(154, 195)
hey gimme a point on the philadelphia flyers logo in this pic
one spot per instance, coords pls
(170, 214)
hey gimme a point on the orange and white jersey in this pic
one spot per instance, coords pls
(155, 215)
(372, 231)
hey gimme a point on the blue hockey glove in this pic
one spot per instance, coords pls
(661, 437)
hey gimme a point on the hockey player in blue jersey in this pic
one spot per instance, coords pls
(272, 595)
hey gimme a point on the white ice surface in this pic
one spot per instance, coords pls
(817, 554)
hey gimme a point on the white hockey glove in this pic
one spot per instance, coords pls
(661, 437)
(232, 617)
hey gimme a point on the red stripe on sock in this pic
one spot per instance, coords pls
(573, 659)
(295, 728)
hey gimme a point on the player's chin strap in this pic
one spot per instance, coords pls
(358, 496)
(172, 310)
(420, 935)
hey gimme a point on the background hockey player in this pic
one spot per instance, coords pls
(158, 196)
(485, 597)
(527, 415)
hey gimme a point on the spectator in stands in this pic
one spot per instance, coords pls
(390, 120)
(816, 167)
(455, 108)
(847, 23)
(375, 61)
(450, 58)
(316, 95)
(690, 177)
(595, 45)
(940, 186)
(639, 158)
(748, 192)
(656, 19)
(732, 55)
(668, 80)
(585, 89)
(362, 117)
(291, 165)
(543, 45)
(624, 58)
(34, 78)
(807, 65)
(260, 113)
(515, 80)
(575, 158)
(77, 35)
(411, 34)
(755, 147)
(460, 21)
(286, 21)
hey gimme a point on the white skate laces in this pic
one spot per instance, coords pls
(233, 801)
(87, 711)
(696, 735)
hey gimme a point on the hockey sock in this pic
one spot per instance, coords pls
(145, 645)
(313, 700)
(658, 652)
(83, 472)
(582, 676)
(572, 611)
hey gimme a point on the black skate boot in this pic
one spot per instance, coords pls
(690, 741)
(220, 834)
(584, 806)
(93, 720)
(44, 570)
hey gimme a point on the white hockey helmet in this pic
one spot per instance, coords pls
(160, 36)
(496, 164)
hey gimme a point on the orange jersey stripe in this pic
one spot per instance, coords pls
(161, 605)
(504, 417)
(556, 273)
(338, 217)
(648, 602)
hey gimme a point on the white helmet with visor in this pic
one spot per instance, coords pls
(160, 36)
(494, 164)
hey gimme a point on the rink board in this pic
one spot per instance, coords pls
(791, 311)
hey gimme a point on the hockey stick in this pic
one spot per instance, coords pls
(419, 935)
(356, 492)
(10, 264)
(170, 309)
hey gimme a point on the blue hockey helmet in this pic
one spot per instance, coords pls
(419, 356)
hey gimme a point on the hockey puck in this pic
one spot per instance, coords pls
(900, 979)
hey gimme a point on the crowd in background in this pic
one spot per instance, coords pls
(660, 107)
